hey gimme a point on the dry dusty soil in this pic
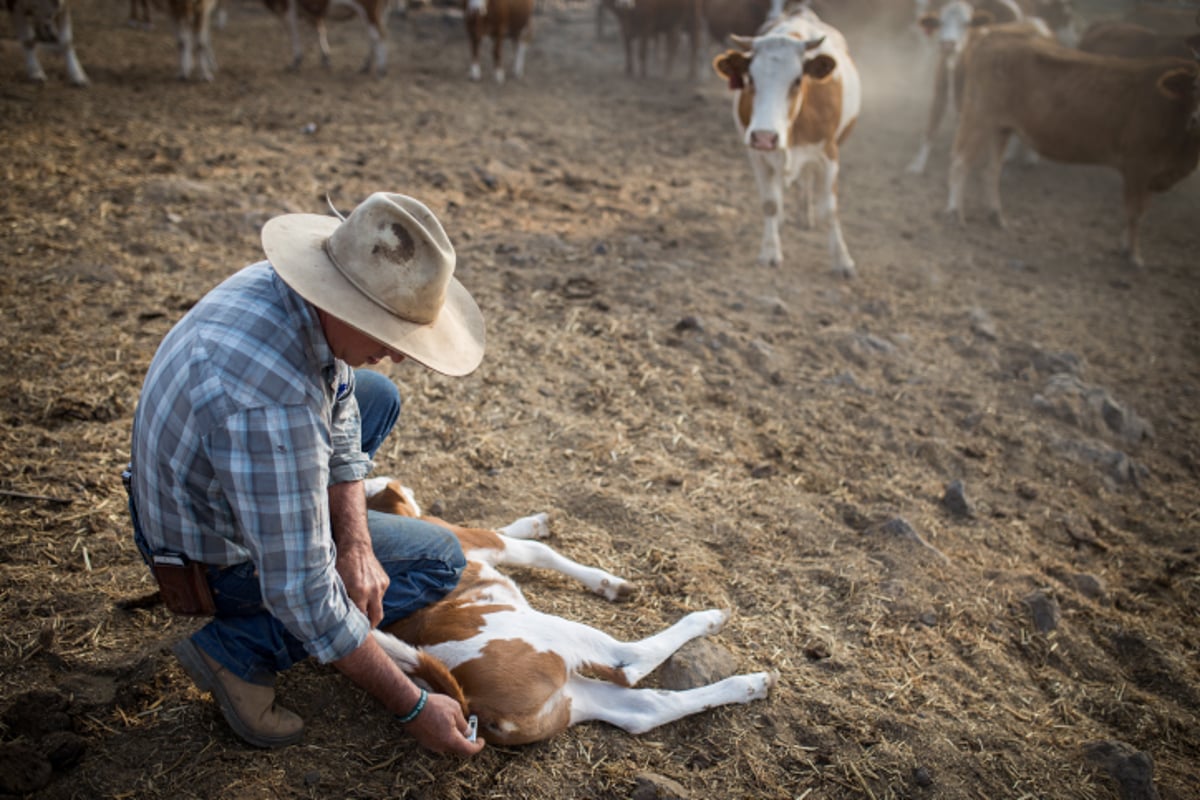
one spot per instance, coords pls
(953, 502)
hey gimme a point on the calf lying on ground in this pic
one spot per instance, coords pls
(528, 675)
(48, 23)
(1138, 116)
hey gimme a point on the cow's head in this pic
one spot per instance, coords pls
(770, 71)
(948, 26)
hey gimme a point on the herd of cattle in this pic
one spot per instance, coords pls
(1019, 72)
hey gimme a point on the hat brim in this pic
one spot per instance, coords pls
(452, 344)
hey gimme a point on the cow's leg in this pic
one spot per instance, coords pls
(205, 58)
(843, 264)
(769, 179)
(641, 710)
(1135, 206)
(185, 38)
(498, 55)
(636, 660)
(28, 39)
(643, 53)
(66, 42)
(522, 44)
(964, 158)
(323, 43)
(292, 22)
(522, 552)
(991, 177)
(937, 109)
(474, 38)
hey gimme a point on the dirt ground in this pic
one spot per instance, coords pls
(953, 502)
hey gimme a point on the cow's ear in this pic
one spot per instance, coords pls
(981, 18)
(819, 67)
(732, 65)
(1177, 84)
(929, 23)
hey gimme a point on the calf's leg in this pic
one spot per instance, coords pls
(640, 710)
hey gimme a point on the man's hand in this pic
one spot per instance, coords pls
(360, 570)
(440, 727)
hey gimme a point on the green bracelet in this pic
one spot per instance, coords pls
(410, 716)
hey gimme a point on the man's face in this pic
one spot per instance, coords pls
(354, 347)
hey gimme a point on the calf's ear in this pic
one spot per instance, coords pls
(1177, 84)
(732, 65)
(819, 67)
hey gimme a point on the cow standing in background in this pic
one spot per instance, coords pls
(643, 20)
(1138, 116)
(499, 19)
(47, 23)
(797, 94)
(724, 18)
(373, 14)
(193, 32)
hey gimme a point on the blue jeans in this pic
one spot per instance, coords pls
(423, 561)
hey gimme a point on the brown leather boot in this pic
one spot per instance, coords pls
(248, 708)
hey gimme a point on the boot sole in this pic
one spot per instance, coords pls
(206, 680)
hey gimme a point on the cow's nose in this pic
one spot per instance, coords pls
(764, 140)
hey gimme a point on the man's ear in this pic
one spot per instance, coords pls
(732, 65)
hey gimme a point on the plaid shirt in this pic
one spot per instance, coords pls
(245, 419)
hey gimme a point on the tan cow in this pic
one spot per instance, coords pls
(797, 95)
(528, 675)
(1138, 116)
(499, 19)
(46, 23)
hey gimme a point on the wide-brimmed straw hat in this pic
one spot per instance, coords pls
(387, 270)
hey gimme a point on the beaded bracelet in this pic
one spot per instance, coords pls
(410, 716)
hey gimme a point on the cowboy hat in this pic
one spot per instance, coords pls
(387, 270)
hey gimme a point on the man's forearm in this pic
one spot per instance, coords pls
(348, 515)
(371, 669)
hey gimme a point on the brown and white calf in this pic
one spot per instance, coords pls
(46, 23)
(499, 19)
(373, 13)
(528, 675)
(1139, 116)
(643, 21)
(797, 95)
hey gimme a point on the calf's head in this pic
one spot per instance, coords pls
(770, 72)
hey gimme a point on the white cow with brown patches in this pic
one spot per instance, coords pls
(528, 675)
(797, 94)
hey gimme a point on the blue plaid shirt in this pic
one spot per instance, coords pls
(245, 419)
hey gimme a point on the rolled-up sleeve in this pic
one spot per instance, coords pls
(271, 466)
(348, 462)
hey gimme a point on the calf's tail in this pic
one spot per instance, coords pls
(422, 666)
